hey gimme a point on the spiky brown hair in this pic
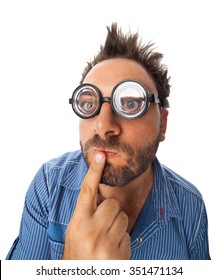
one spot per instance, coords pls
(120, 45)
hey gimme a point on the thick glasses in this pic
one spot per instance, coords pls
(129, 100)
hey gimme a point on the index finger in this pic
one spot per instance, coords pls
(87, 200)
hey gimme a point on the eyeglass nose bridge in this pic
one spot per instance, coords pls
(105, 99)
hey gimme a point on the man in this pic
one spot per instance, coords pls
(113, 199)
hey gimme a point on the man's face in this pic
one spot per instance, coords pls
(129, 145)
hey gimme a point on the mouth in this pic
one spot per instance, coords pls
(107, 152)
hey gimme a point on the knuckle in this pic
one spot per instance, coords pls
(123, 217)
(112, 205)
(114, 202)
(86, 189)
(127, 238)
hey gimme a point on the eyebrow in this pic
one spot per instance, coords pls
(87, 91)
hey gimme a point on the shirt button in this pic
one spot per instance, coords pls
(139, 239)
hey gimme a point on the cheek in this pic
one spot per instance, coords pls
(84, 130)
(144, 131)
(139, 136)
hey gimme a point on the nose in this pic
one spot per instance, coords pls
(106, 124)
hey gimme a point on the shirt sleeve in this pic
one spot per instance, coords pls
(33, 242)
(200, 249)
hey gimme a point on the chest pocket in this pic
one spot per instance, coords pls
(56, 233)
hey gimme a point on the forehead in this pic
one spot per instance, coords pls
(106, 74)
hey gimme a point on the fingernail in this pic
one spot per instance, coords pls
(99, 158)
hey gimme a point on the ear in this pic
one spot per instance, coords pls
(164, 115)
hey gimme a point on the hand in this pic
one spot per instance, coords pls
(96, 231)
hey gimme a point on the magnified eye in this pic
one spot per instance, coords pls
(131, 103)
(87, 101)
(129, 99)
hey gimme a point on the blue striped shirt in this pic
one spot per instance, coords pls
(171, 225)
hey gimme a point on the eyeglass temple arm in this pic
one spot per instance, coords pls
(153, 99)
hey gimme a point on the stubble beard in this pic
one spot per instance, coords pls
(138, 159)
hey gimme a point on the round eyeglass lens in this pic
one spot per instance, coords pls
(129, 100)
(86, 101)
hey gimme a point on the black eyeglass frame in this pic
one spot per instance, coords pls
(151, 98)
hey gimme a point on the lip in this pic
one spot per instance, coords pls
(106, 152)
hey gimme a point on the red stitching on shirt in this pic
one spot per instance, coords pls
(161, 213)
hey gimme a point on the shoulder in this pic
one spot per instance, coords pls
(179, 182)
(66, 170)
(62, 161)
(183, 198)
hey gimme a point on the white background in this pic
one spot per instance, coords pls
(44, 48)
